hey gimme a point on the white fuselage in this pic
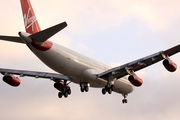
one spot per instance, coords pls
(76, 67)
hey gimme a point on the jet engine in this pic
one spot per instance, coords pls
(12, 80)
(135, 80)
(169, 65)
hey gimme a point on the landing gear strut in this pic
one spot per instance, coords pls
(84, 87)
(109, 87)
(124, 100)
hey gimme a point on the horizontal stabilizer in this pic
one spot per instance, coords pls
(11, 39)
(47, 33)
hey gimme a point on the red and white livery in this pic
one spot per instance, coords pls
(74, 67)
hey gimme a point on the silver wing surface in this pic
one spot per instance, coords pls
(53, 76)
(139, 64)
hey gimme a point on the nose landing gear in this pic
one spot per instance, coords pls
(124, 100)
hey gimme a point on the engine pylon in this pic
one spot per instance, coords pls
(133, 78)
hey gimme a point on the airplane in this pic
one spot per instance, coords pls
(74, 67)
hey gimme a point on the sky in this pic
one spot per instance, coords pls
(113, 32)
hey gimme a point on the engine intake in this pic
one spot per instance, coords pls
(135, 80)
(169, 65)
(12, 80)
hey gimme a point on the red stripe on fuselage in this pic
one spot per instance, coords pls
(44, 47)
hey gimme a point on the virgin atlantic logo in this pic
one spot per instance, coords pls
(29, 21)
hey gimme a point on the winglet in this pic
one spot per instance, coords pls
(47, 33)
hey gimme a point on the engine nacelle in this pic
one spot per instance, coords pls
(12, 80)
(60, 86)
(135, 80)
(169, 65)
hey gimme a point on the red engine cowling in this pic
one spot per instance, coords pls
(59, 86)
(135, 80)
(12, 80)
(169, 65)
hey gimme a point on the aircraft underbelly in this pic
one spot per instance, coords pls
(123, 86)
(58, 60)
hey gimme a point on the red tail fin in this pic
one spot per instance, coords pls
(30, 21)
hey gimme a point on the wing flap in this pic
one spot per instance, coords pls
(22, 73)
(11, 39)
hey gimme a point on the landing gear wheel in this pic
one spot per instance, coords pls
(124, 101)
(81, 85)
(104, 91)
(65, 94)
(82, 89)
(69, 91)
(86, 88)
(112, 87)
(60, 94)
(109, 90)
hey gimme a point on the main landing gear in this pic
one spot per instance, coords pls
(84, 87)
(108, 88)
(65, 91)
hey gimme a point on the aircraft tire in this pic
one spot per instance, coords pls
(60, 94)
(65, 94)
(109, 91)
(82, 90)
(112, 87)
(69, 91)
(124, 101)
(86, 88)
(104, 91)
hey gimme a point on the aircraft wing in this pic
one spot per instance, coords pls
(53, 76)
(139, 64)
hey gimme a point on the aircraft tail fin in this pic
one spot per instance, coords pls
(30, 21)
(32, 27)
